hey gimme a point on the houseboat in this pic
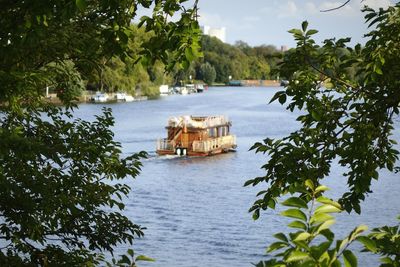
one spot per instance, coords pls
(197, 136)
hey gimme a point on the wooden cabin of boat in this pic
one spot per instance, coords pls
(197, 136)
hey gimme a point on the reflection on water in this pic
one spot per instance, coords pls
(196, 209)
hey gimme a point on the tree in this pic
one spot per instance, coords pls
(54, 180)
(61, 179)
(345, 118)
(34, 34)
(208, 73)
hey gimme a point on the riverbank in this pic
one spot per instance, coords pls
(91, 96)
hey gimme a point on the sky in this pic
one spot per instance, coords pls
(267, 22)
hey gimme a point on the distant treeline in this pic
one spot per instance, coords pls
(220, 63)
(238, 62)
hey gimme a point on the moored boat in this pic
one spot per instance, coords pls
(100, 97)
(199, 88)
(197, 136)
(124, 97)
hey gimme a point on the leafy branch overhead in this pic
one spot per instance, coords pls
(87, 33)
(348, 98)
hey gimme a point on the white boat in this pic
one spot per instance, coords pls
(191, 88)
(124, 97)
(100, 97)
(199, 88)
(164, 90)
(183, 91)
(129, 98)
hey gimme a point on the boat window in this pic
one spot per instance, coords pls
(220, 131)
(212, 132)
(224, 131)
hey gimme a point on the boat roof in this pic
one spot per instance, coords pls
(201, 122)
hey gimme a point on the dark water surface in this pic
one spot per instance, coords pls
(195, 209)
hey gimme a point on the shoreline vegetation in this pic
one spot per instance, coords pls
(88, 96)
(219, 64)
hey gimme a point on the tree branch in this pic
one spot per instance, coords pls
(335, 8)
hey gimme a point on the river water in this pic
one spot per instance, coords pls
(196, 209)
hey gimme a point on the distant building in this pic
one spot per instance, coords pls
(284, 48)
(220, 33)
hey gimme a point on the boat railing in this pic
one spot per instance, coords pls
(215, 143)
(198, 122)
(165, 144)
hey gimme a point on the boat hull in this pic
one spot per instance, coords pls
(197, 153)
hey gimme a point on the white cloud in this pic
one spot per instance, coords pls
(311, 8)
(251, 19)
(213, 20)
(290, 9)
(376, 4)
(249, 22)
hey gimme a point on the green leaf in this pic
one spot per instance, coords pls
(144, 258)
(328, 234)
(189, 54)
(310, 184)
(281, 236)
(256, 214)
(317, 251)
(325, 225)
(131, 252)
(294, 213)
(327, 208)
(297, 256)
(297, 224)
(321, 188)
(81, 4)
(276, 96)
(316, 116)
(282, 99)
(276, 245)
(302, 236)
(295, 202)
(378, 70)
(368, 243)
(342, 243)
(357, 231)
(349, 259)
(124, 259)
(311, 32)
(336, 263)
(320, 218)
(325, 200)
(296, 32)
(387, 260)
(304, 25)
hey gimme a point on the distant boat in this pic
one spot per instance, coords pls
(199, 88)
(183, 90)
(197, 136)
(100, 97)
(164, 90)
(191, 88)
(124, 97)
